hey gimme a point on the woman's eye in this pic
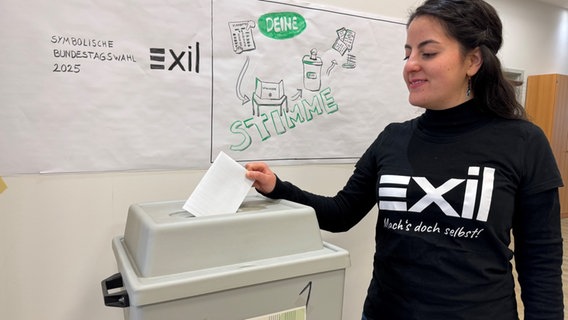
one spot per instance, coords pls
(428, 55)
(425, 55)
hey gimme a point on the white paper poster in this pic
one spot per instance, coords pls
(119, 85)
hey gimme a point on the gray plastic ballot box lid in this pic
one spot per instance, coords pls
(166, 253)
(164, 239)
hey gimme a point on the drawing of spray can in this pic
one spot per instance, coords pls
(312, 71)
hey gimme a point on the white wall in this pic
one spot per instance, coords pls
(56, 230)
(536, 36)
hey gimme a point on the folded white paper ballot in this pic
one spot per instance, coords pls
(221, 190)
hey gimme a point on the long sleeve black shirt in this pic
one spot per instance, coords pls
(450, 186)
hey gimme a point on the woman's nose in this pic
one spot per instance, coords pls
(411, 64)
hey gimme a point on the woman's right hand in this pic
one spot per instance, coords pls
(264, 178)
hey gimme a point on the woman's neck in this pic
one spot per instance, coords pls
(458, 119)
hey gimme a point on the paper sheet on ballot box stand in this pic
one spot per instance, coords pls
(293, 314)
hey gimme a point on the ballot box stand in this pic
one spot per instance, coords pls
(265, 259)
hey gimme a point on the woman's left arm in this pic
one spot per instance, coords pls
(538, 255)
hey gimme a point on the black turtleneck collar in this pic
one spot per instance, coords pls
(460, 119)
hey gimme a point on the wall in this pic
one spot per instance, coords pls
(56, 230)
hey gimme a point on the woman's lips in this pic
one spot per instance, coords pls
(413, 84)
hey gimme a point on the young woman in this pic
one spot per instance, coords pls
(451, 184)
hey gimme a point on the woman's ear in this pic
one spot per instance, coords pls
(474, 60)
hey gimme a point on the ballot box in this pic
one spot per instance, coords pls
(267, 261)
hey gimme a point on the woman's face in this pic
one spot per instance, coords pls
(436, 71)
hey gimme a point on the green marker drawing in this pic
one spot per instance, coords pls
(312, 71)
(281, 25)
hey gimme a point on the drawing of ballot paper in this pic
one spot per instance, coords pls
(241, 36)
(269, 95)
(344, 41)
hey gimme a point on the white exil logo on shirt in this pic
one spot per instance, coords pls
(435, 195)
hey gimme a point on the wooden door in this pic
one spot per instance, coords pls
(547, 106)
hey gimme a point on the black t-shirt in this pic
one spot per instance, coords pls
(449, 186)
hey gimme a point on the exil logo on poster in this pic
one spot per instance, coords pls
(170, 59)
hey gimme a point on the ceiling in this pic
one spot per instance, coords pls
(560, 3)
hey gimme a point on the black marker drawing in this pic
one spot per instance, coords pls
(343, 44)
(269, 100)
(297, 96)
(344, 41)
(333, 64)
(241, 35)
(244, 98)
(309, 287)
(351, 62)
(312, 65)
(269, 94)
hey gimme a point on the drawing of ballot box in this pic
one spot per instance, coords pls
(267, 259)
(269, 94)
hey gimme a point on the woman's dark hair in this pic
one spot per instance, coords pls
(475, 23)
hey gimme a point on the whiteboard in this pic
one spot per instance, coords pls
(118, 85)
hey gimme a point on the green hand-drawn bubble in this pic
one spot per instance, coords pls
(281, 25)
